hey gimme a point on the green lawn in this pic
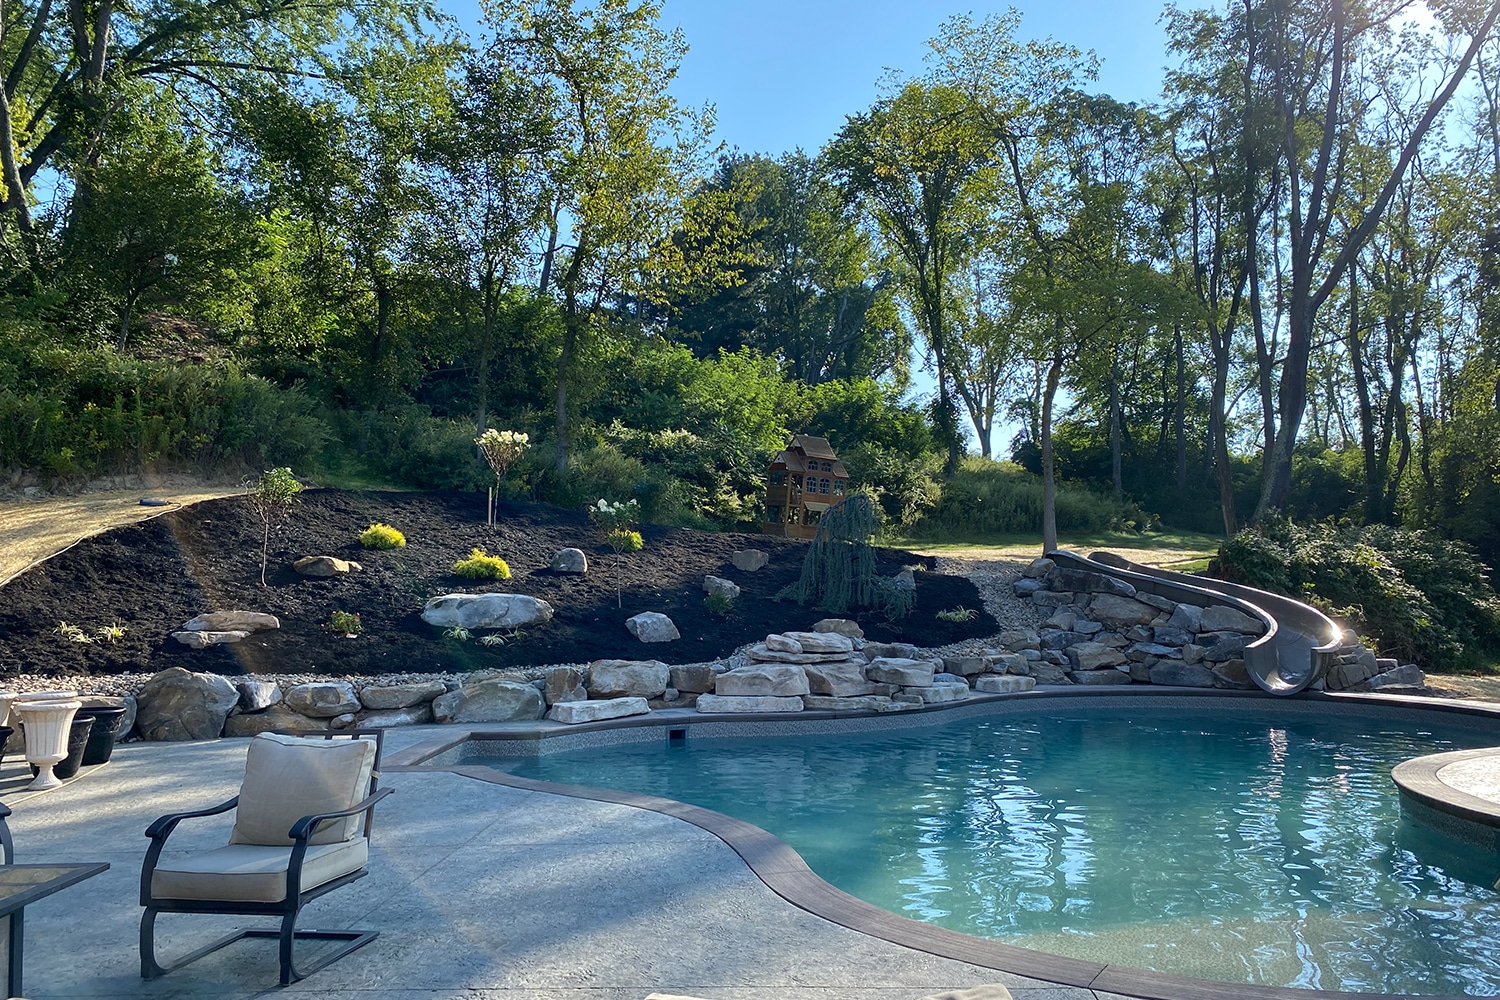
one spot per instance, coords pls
(1177, 550)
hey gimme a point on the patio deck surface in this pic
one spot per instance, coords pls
(480, 891)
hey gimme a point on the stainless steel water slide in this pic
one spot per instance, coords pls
(1300, 641)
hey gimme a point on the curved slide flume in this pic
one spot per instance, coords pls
(1300, 641)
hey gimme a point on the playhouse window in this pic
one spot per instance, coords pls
(794, 515)
(796, 482)
(823, 486)
(838, 487)
(813, 517)
(773, 514)
(778, 477)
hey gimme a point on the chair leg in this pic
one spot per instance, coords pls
(149, 967)
(286, 935)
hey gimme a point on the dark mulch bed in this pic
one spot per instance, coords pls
(152, 577)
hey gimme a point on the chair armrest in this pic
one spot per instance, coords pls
(165, 825)
(304, 827)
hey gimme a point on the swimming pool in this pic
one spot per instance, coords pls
(1247, 846)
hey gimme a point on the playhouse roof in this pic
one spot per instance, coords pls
(804, 447)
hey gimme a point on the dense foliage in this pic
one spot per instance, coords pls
(1420, 596)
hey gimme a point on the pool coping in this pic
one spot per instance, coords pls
(785, 873)
(1469, 817)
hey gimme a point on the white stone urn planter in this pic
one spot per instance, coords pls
(47, 726)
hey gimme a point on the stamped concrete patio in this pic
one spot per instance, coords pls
(480, 891)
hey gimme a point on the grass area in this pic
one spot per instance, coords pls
(1182, 551)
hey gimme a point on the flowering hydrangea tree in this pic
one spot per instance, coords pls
(500, 449)
(616, 520)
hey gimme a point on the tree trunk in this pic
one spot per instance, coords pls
(1049, 478)
(1356, 348)
(564, 369)
(1179, 417)
(1116, 481)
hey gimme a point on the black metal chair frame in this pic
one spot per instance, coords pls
(287, 908)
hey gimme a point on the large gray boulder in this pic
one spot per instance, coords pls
(780, 680)
(1003, 684)
(574, 712)
(1222, 618)
(905, 672)
(693, 678)
(652, 626)
(1187, 617)
(713, 704)
(1097, 677)
(492, 700)
(821, 642)
(1086, 656)
(560, 684)
(570, 562)
(394, 696)
(472, 611)
(202, 639)
(838, 680)
(324, 566)
(324, 699)
(1017, 639)
(278, 718)
(843, 626)
(411, 715)
(727, 589)
(628, 678)
(1182, 674)
(232, 621)
(178, 705)
(749, 560)
(257, 696)
(1087, 582)
(1114, 610)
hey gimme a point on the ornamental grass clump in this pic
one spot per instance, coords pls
(479, 566)
(381, 536)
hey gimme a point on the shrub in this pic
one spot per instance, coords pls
(345, 623)
(1001, 498)
(1421, 596)
(625, 540)
(839, 571)
(272, 498)
(718, 603)
(381, 536)
(479, 566)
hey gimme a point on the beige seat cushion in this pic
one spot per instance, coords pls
(288, 777)
(244, 872)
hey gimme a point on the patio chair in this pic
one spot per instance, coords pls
(297, 836)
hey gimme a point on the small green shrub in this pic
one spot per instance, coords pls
(479, 566)
(345, 623)
(458, 634)
(718, 603)
(381, 536)
(625, 540)
(958, 614)
(111, 633)
(71, 632)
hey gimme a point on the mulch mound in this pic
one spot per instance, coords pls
(154, 576)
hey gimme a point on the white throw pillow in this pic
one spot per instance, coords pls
(288, 777)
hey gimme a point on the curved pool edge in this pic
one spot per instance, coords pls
(783, 870)
(1452, 791)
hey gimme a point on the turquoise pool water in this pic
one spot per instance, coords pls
(1242, 846)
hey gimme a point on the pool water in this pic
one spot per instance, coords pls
(1242, 846)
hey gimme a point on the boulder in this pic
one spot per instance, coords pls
(782, 644)
(627, 678)
(1192, 653)
(1097, 677)
(492, 700)
(393, 696)
(838, 680)
(749, 560)
(1232, 674)
(1052, 599)
(905, 580)
(1062, 620)
(1117, 611)
(324, 566)
(1140, 672)
(1409, 675)
(474, 611)
(772, 680)
(232, 621)
(276, 718)
(1053, 639)
(1025, 588)
(1013, 663)
(1048, 673)
(1182, 674)
(1222, 618)
(1163, 604)
(1016, 640)
(343, 721)
(822, 642)
(257, 696)
(693, 678)
(571, 562)
(1167, 635)
(410, 715)
(1188, 617)
(999, 684)
(968, 666)
(843, 626)
(727, 589)
(713, 704)
(177, 705)
(674, 698)
(1038, 568)
(905, 672)
(1086, 656)
(561, 684)
(1140, 650)
(574, 712)
(1086, 627)
(759, 653)
(323, 700)
(1225, 646)
(936, 694)
(652, 626)
(858, 703)
(899, 650)
(1087, 582)
(204, 639)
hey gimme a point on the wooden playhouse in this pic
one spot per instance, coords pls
(802, 482)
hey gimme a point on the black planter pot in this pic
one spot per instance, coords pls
(6, 732)
(101, 744)
(78, 738)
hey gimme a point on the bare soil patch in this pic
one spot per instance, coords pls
(153, 576)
